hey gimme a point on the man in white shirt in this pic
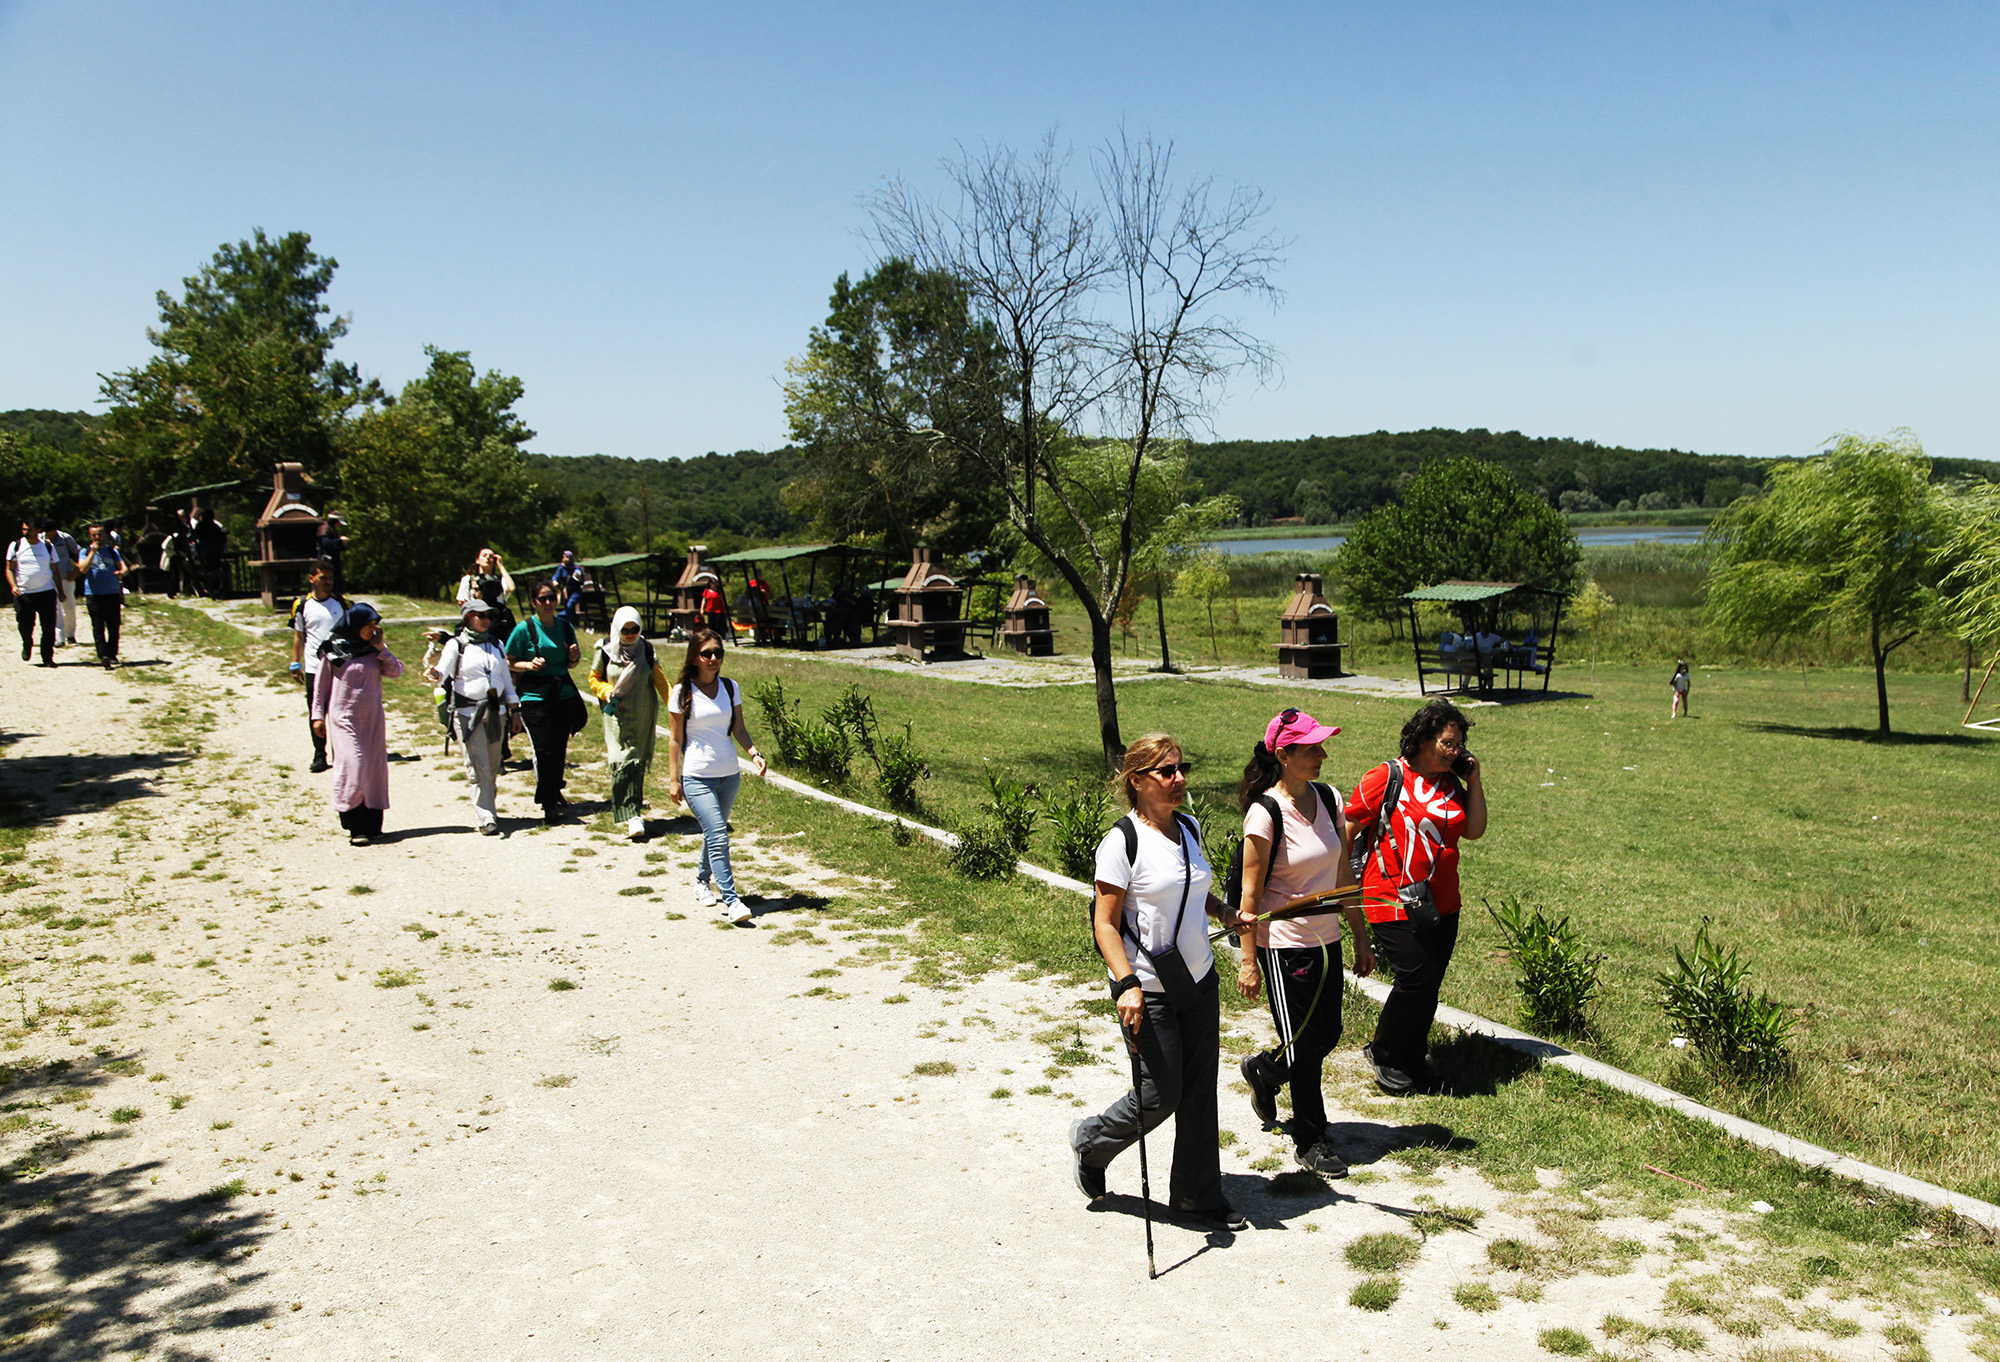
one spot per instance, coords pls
(314, 619)
(32, 568)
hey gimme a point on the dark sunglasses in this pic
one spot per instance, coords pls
(1168, 771)
(710, 653)
(629, 629)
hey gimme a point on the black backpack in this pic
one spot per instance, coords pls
(1232, 879)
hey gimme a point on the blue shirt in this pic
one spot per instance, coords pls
(102, 578)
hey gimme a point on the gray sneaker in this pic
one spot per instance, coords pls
(1089, 1181)
(1320, 1158)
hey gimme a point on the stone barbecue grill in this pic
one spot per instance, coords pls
(928, 623)
(287, 537)
(1309, 633)
(1024, 624)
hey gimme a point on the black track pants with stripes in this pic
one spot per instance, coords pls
(1306, 1033)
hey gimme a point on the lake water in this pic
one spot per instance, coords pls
(1606, 536)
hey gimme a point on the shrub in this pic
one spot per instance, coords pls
(1077, 816)
(1010, 804)
(824, 751)
(984, 852)
(1377, 1293)
(1558, 977)
(778, 718)
(898, 768)
(1708, 1002)
(854, 714)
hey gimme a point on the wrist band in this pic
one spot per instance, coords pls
(1118, 986)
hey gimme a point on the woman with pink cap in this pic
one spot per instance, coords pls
(1295, 847)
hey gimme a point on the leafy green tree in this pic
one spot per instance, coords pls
(1591, 608)
(1847, 539)
(437, 474)
(1970, 560)
(38, 480)
(1204, 577)
(244, 377)
(1458, 520)
(889, 405)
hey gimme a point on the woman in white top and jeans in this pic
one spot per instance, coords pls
(1299, 957)
(1151, 923)
(705, 722)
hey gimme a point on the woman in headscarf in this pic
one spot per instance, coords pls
(629, 683)
(479, 687)
(347, 716)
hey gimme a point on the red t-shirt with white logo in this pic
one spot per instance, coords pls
(1421, 841)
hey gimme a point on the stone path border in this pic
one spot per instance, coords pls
(1983, 1214)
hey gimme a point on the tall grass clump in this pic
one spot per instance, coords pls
(1076, 818)
(898, 768)
(1557, 975)
(988, 849)
(778, 718)
(1734, 1032)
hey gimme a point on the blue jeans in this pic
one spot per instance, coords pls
(710, 799)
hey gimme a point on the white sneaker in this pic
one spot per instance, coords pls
(737, 912)
(635, 828)
(705, 895)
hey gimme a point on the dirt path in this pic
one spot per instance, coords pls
(686, 1153)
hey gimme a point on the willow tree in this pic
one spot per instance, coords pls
(1112, 306)
(1970, 560)
(1845, 540)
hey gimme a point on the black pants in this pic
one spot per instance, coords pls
(548, 724)
(106, 612)
(1418, 957)
(318, 739)
(1177, 1062)
(37, 605)
(362, 819)
(1307, 1030)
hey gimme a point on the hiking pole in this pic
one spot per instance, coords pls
(1145, 1176)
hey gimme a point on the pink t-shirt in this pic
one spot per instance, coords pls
(1310, 862)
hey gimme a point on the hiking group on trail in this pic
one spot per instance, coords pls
(1386, 861)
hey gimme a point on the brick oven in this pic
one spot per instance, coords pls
(1024, 624)
(287, 537)
(696, 576)
(928, 623)
(1308, 633)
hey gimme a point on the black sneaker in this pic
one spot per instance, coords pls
(1320, 1158)
(1391, 1081)
(319, 764)
(1089, 1181)
(1224, 1217)
(1263, 1096)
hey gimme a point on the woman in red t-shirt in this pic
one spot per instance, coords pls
(1413, 863)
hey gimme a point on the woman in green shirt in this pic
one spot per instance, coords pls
(540, 652)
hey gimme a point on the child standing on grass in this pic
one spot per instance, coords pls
(1680, 688)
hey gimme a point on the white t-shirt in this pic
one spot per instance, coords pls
(710, 752)
(317, 620)
(1309, 861)
(34, 565)
(484, 671)
(1152, 885)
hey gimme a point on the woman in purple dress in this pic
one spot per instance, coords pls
(347, 713)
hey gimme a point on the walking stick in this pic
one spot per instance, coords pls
(1145, 1176)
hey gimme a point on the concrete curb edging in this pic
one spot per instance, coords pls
(1983, 1214)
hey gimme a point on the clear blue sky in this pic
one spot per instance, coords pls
(1730, 228)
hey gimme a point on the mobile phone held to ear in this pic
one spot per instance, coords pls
(1461, 765)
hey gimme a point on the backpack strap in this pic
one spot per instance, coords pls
(1130, 832)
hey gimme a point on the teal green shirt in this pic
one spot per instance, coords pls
(529, 641)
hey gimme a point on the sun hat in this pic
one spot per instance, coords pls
(475, 606)
(1295, 728)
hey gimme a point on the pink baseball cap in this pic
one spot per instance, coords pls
(1295, 728)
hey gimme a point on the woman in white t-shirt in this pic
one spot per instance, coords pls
(1151, 923)
(1299, 956)
(705, 722)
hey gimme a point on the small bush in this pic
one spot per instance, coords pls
(1377, 1293)
(898, 768)
(769, 697)
(126, 1115)
(984, 852)
(1381, 1252)
(854, 715)
(1010, 805)
(1564, 1342)
(1076, 814)
(824, 751)
(1001, 1093)
(1706, 999)
(1558, 977)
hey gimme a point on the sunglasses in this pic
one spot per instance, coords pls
(1171, 769)
(629, 629)
(711, 654)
